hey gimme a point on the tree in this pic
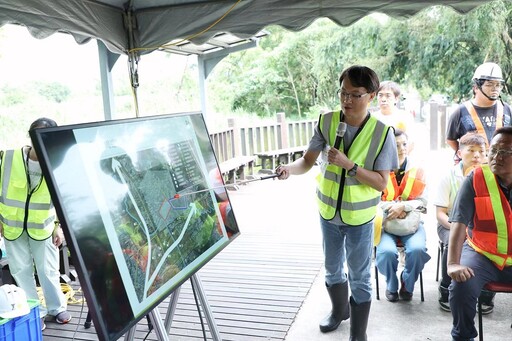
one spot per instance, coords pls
(53, 91)
(435, 51)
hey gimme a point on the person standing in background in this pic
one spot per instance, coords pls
(485, 112)
(388, 97)
(30, 229)
(355, 170)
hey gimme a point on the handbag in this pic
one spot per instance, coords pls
(405, 226)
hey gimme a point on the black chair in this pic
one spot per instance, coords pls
(440, 248)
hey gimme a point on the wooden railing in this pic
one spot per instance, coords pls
(238, 141)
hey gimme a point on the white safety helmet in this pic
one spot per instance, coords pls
(488, 71)
(13, 302)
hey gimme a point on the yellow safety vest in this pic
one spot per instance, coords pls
(20, 208)
(357, 202)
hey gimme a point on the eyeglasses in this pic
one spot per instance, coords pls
(493, 85)
(345, 96)
(500, 152)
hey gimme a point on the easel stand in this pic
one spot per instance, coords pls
(162, 329)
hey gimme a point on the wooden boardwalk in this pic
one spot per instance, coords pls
(255, 288)
(257, 284)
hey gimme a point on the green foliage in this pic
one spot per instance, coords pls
(12, 96)
(435, 51)
(53, 91)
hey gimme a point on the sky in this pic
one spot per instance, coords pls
(59, 58)
(56, 58)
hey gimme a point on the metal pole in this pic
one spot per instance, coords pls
(173, 302)
(158, 325)
(206, 307)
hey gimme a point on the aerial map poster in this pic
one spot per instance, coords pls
(143, 207)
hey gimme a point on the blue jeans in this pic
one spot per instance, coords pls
(464, 295)
(352, 244)
(416, 257)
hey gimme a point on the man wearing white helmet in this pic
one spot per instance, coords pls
(485, 112)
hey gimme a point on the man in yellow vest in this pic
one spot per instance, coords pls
(358, 153)
(28, 225)
(482, 213)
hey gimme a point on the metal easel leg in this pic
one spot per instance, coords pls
(158, 325)
(173, 302)
(206, 307)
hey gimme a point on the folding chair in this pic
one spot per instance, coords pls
(440, 248)
(494, 287)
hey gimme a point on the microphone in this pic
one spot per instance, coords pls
(340, 132)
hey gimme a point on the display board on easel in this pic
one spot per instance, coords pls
(142, 205)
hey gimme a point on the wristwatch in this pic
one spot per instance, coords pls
(353, 171)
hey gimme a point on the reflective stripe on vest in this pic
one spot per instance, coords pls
(391, 191)
(478, 123)
(411, 186)
(358, 201)
(40, 217)
(492, 222)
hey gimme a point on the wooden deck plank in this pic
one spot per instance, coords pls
(254, 287)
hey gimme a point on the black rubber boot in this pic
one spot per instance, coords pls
(340, 309)
(359, 314)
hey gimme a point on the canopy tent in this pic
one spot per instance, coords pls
(143, 25)
(136, 27)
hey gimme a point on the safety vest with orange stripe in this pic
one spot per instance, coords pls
(476, 123)
(411, 187)
(492, 222)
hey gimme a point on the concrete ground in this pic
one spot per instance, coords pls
(292, 206)
(408, 321)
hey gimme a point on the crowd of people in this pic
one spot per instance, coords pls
(366, 172)
(370, 194)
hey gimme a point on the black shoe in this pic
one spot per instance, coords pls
(391, 296)
(404, 294)
(487, 299)
(443, 299)
(445, 306)
(487, 309)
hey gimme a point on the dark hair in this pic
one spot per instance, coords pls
(503, 130)
(42, 122)
(390, 85)
(361, 76)
(400, 132)
(472, 139)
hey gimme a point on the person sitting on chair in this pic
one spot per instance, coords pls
(403, 194)
(472, 151)
(480, 246)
